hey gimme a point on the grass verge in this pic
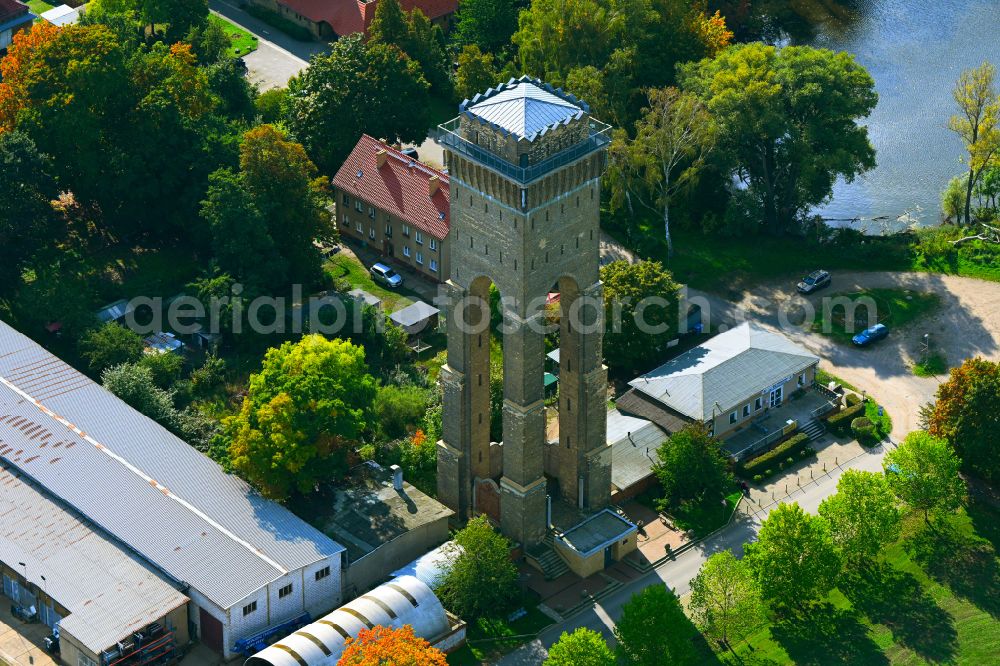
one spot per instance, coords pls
(933, 597)
(932, 366)
(706, 517)
(37, 7)
(893, 307)
(347, 268)
(242, 41)
(489, 639)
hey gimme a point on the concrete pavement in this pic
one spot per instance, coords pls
(278, 57)
(678, 573)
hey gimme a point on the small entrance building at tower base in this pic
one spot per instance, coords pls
(525, 162)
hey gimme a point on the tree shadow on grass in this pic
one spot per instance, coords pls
(966, 563)
(824, 634)
(897, 600)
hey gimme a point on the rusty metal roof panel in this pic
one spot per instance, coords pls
(140, 483)
(108, 592)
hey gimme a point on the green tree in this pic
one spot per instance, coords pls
(418, 458)
(862, 515)
(413, 34)
(399, 409)
(135, 385)
(965, 413)
(476, 72)
(787, 122)
(589, 84)
(481, 580)
(641, 313)
(673, 137)
(486, 24)
(726, 600)
(389, 26)
(28, 225)
(692, 469)
(583, 647)
(977, 123)
(239, 233)
(110, 345)
(653, 630)
(794, 559)
(165, 368)
(923, 473)
(357, 88)
(953, 199)
(306, 407)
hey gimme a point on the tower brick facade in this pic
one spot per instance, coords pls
(525, 163)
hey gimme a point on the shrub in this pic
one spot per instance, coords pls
(783, 453)
(864, 431)
(852, 399)
(757, 478)
(840, 421)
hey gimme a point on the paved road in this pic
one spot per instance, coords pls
(278, 57)
(679, 572)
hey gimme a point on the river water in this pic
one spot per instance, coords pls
(915, 51)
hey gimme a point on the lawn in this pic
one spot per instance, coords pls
(488, 639)
(349, 269)
(823, 378)
(893, 307)
(932, 366)
(37, 7)
(242, 41)
(934, 597)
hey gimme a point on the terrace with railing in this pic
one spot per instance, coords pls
(449, 137)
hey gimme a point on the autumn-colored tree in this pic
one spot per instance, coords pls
(17, 70)
(966, 415)
(977, 122)
(385, 646)
(302, 411)
(476, 72)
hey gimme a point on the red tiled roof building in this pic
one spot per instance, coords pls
(398, 206)
(329, 19)
(14, 17)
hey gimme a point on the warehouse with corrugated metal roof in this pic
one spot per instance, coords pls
(246, 563)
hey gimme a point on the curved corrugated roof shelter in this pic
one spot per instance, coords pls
(404, 600)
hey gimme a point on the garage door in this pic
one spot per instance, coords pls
(211, 631)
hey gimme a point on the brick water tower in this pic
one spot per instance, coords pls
(525, 162)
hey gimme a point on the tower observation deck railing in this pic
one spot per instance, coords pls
(598, 137)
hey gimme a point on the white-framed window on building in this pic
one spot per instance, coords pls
(357, 225)
(433, 244)
(388, 229)
(733, 417)
(434, 265)
(347, 200)
(249, 608)
(406, 230)
(358, 206)
(420, 257)
(371, 233)
(419, 238)
(285, 591)
(758, 403)
(406, 250)
(322, 573)
(746, 411)
(371, 212)
(802, 379)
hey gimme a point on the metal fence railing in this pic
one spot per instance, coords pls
(598, 137)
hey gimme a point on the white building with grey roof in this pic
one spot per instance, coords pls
(245, 562)
(725, 384)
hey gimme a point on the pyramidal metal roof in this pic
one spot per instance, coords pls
(525, 108)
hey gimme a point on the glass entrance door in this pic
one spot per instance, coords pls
(775, 399)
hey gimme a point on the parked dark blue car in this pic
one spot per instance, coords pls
(869, 335)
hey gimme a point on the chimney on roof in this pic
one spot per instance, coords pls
(380, 158)
(397, 477)
(433, 185)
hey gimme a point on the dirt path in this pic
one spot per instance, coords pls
(966, 324)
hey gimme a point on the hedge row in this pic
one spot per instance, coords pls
(788, 448)
(852, 399)
(841, 421)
